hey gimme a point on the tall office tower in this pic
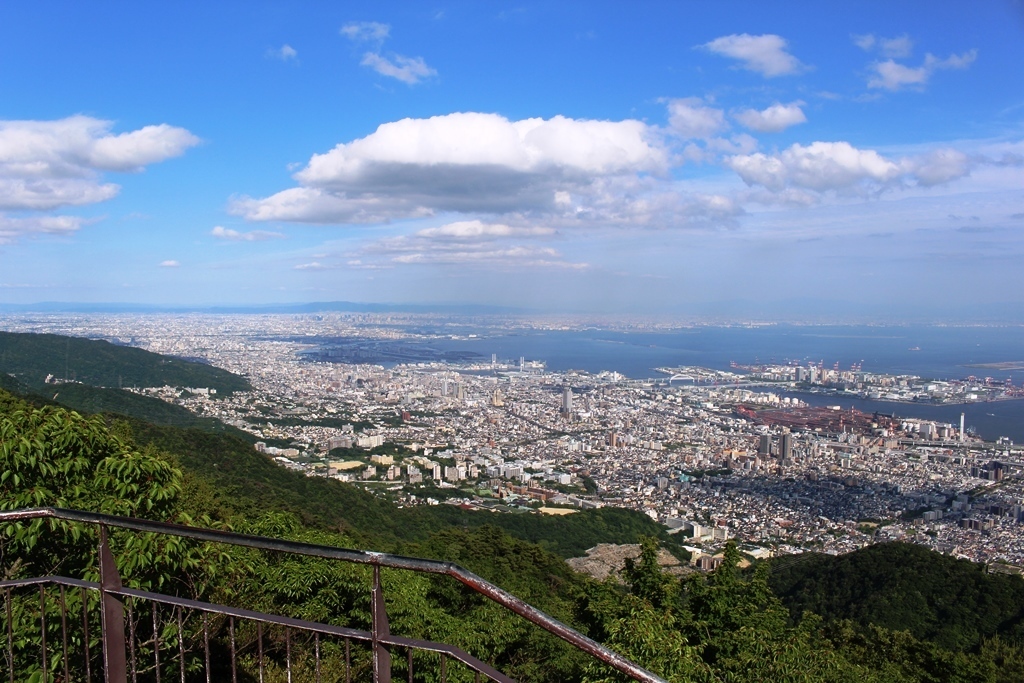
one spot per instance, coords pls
(444, 387)
(566, 400)
(522, 364)
(961, 427)
(494, 359)
(764, 445)
(786, 446)
(460, 391)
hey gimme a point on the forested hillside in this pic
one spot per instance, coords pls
(31, 357)
(953, 603)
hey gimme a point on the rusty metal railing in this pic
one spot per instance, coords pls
(120, 649)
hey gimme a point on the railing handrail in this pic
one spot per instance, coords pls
(277, 620)
(376, 559)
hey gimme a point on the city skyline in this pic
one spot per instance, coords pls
(579, 158)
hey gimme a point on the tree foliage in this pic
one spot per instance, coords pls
(899, 586)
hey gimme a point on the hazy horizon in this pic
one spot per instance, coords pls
(841, 160)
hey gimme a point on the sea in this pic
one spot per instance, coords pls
(933, 352)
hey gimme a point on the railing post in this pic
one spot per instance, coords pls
(112, 615)
(379, 627)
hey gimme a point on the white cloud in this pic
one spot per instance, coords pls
(865, 42)
(313, 205)
(466, 242)
(473, 140)
(890, 75)
(953, 61)
(223, 233)
(170, 264)
(775, 118)
(476, 229)
(938, 167)
(12, 229)
(47, 164)
(839, 166)
(409, 70)
(900, 46)
(765, 54)
(285, 53)
(691, 118)
(49, 193)
(463, 162)
(314, 265)
(366, 31)
(132, 151)
(517, 256)
(818, 166)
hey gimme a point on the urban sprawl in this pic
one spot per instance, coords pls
(712, 454)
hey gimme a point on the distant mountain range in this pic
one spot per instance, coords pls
(311, 307)
(805, 310)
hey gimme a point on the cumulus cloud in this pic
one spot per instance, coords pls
(766, 54)
(313, 265)
(775, 118)
(11, 228)
(409, 70)
(938, 167)
(900, 46)
(839, 166)
(818, 166)
(893, 76)
(49, 193)
(47, 164)
(285, 53)
(690, 117)
(223, 233)
(170, 264)
(462, 162)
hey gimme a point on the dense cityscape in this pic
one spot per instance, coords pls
(712, 454)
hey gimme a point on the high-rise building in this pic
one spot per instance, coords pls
(764, 445)
(566, 400)
(786, 447)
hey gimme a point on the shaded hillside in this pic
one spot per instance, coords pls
(116, 402)
(87, 399)
(953, 603)
(31, 357)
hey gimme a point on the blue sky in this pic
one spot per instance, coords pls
(577, 156)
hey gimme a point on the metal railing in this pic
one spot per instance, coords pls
(182, 627)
